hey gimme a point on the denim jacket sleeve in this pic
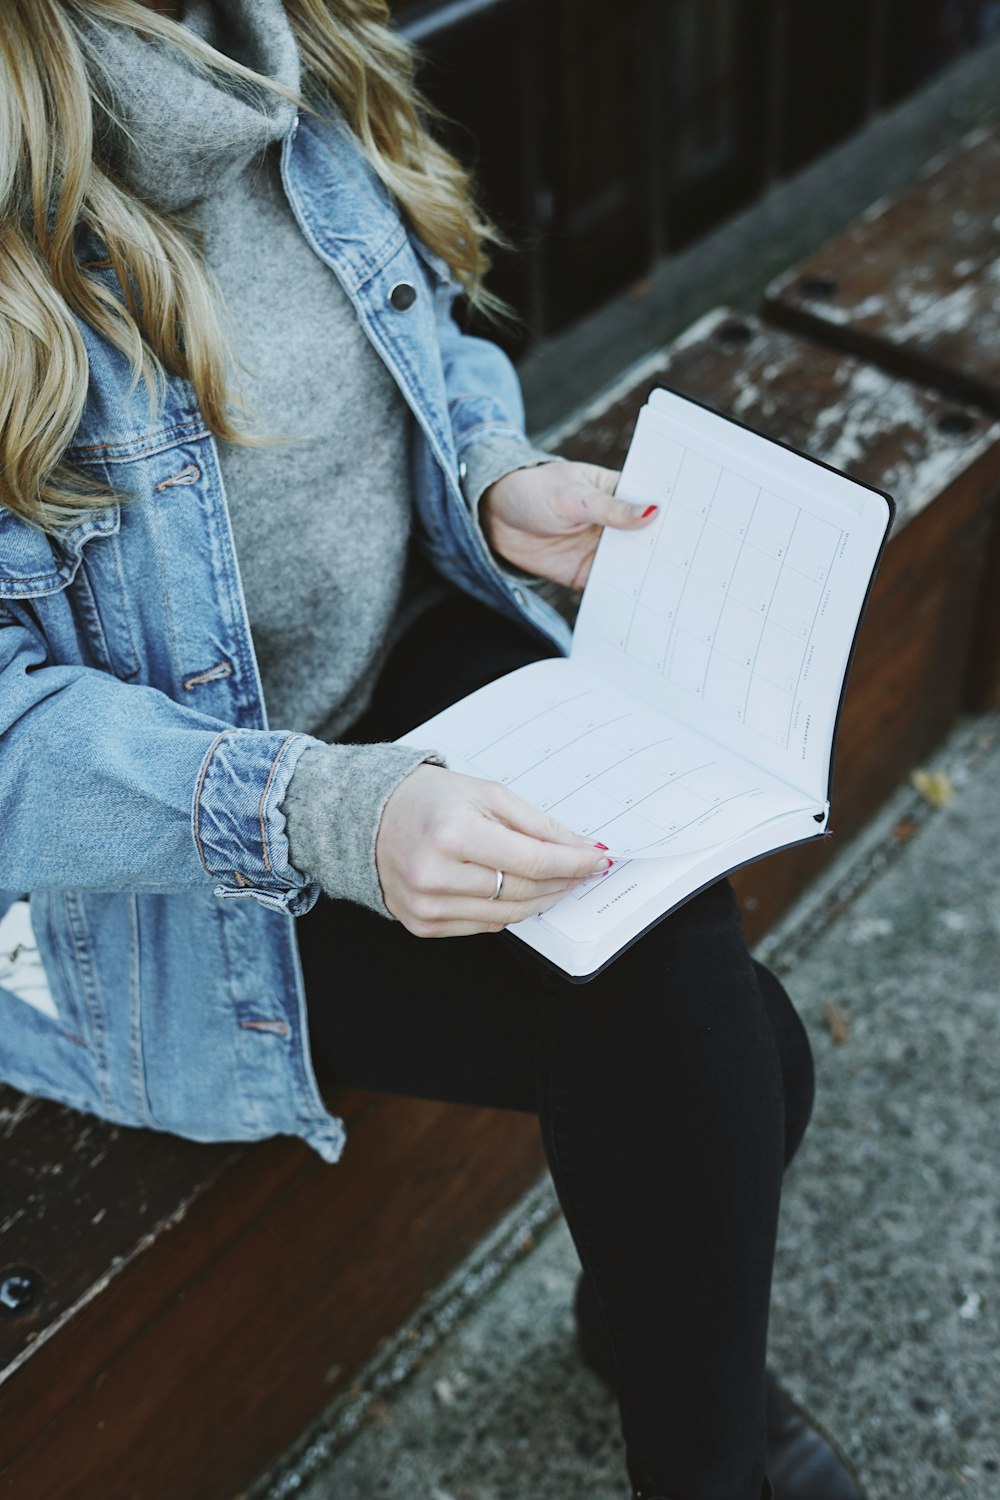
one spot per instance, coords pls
(484, 395)
(109, 786)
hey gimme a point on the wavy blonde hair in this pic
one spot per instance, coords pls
(167, 316)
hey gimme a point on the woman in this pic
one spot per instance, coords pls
(247, 458)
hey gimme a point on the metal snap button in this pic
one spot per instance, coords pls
(519, 597)
(402, 296)
(463, 470)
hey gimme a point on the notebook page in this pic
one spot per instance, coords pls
(737, 607)
(577, 749)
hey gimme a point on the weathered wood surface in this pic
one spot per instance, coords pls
(920, 644)
(200, 1304)
(914, 285)
(984, 686)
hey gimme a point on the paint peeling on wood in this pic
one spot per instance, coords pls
(114, 1268)
(80, 1200)
(12, 1117)
(885, 431)
(915, 286)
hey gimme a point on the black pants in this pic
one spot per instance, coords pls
(671, 1092)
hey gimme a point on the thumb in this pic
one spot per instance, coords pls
(594, 500)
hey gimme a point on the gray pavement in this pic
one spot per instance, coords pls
(887, 1300)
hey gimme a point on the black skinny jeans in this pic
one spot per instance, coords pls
(671, 1091)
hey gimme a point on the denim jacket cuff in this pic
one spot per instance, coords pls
(476, 416)
(237, 822)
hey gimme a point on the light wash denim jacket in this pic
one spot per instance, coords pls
(140, 787)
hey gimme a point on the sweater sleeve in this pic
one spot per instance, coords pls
(493, 458)
(333, 808)
(490, 459)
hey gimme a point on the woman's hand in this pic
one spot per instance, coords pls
(444, 836)
(548, 520)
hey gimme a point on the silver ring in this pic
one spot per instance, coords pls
(499, 890)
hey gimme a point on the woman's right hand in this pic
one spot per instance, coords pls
(442, 839)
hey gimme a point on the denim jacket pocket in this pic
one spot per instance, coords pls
(84, 561)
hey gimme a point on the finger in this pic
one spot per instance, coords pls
(595, 474)
(473, 880)
(498, 800)
(471, 916)
(622, 515)
(509, 912)
(595, 504)
(463, 917)
(534, 859)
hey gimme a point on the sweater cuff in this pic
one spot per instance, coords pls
(490, 459)
(333, 808)
(484, 463)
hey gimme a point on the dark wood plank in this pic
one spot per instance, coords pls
(913, 285)
(826, 62)
(923, 637)
(104, 1217)
(600, 86)
(923, 36)
(715, 85)
(221, 1335)
(984, 685)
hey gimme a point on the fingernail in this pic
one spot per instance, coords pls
(601, 846)
(604, 865)
(650, 511)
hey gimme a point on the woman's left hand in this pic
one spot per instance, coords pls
(548, 520)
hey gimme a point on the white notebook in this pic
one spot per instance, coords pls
(691, 728)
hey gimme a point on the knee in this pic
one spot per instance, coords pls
(795, 1055)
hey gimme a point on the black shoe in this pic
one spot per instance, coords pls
(801, 1458)
(802, 1462)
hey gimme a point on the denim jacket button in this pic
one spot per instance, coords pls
(463, 470)
(519, 597)
(402, 296)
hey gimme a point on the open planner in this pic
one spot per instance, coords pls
(691, 728)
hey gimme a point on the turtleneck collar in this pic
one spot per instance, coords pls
(174, 133)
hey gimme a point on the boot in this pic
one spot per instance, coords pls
(802, 1462)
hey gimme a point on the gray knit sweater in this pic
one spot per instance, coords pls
(322, 516)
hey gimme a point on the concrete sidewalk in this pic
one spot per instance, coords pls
(887, 1292)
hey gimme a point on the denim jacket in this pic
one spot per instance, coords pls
(140, 785)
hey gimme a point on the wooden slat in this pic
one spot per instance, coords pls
(226, 1294)
(915, 285)
(984, 685)
(921, 639)
(824, 89)
(715, 83)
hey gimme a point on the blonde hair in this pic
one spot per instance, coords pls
(166, 316)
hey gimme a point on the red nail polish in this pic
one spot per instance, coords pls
(650, 511)
(601, 846)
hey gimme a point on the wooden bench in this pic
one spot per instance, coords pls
(172, 1314)
(914, 285)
